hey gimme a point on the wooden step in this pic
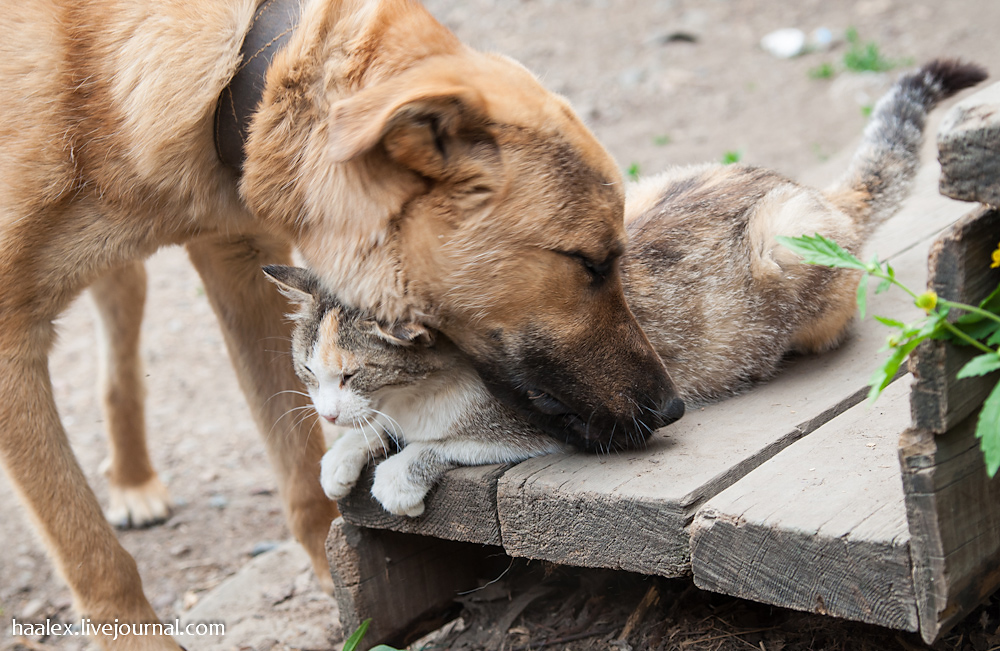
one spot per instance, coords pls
(820, 527)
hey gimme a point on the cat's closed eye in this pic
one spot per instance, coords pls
(345, 378)
(306, 374)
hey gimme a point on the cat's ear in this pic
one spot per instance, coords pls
(407, 333)
(297, 284)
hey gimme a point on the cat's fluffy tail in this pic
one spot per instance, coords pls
(881, 173)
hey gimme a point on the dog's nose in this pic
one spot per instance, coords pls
(669, 412)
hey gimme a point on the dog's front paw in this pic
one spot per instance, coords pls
(396, 492)
(138, 506)
(338, 475)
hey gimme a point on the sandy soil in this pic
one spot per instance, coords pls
(661, 82)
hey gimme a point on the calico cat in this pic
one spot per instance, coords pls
(396, 384)
(720, 300)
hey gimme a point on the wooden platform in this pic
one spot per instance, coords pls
(822, 525)
(794, 493)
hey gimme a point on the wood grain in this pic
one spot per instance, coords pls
(959, 270)
(820, 527)
(954, 514)
(398, 579)
(968, 142)
(462, 507)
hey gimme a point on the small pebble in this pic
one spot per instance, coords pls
(784, 43)
(32, 608)
(821, 39)
(632, 77)
(218, 501)
(263, 547)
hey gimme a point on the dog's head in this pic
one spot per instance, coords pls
(496, 217)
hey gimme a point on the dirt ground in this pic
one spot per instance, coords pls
(661, 82)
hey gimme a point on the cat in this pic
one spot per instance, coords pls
(720, 300)
(394, 384)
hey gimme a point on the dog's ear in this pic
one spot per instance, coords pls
(426, 127)
(297, 284)
(407, 333)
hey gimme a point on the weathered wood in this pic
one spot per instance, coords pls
(820, 527)
(556, 507)
(463, 506)
(953, 510)
(969, 142)
(399, 579)
(959, 270)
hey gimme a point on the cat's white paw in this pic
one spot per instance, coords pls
(396, 493)
(337, 475)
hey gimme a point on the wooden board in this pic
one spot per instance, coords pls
(953, 509)
(462, 507)
(820, 527)
(959, 269)
(400, 580)
(954, 513)
(968, 141)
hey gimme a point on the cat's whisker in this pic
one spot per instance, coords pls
(397, 430)
(375, 432)
(298, 393)
(375, 429)
(270, 432)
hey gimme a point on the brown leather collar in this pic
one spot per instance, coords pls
(272, 26)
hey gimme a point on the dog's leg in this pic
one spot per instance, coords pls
(38, 460)
(137, 496)
(258, 335)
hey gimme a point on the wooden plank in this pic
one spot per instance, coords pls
(400, 580)
(968, 142)
(556, 507)
(821, 526)
(462, 507)
(953, 510)
(959, 269)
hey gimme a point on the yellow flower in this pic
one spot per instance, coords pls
(927, 301)
(996, 258)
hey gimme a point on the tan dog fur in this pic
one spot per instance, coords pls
(418, 177)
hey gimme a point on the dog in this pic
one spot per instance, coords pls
(418, 178)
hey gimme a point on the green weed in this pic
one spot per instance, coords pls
(732, 156)
(864, 57)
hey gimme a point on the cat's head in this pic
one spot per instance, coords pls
(350, 362)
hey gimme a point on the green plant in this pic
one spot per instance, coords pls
(864, 57)
(661, 140)
(732, 156)
(633, 172)
(352, 642)
(866, 110)
(822, 71)
(978, 326)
